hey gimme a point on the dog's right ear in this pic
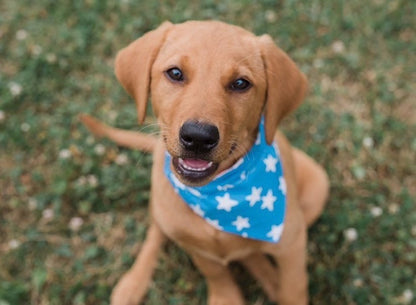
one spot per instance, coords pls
(133, 66)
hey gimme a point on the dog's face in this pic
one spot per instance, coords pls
(208, 90)
(209, 83)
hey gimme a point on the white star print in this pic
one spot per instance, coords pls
(282, 185)
(224, 187)
(268, 201)
(275, 232)
(197, 210)
(243, 176)
(241, 223)
(225, 202)
(214, 223)
(255, 195)
(270, 163)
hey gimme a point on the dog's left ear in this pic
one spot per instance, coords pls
(286, 85)
(134, 63)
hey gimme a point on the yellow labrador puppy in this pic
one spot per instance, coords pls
(226, 186)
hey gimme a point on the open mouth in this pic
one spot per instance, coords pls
(194, 170)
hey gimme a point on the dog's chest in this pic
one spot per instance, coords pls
(186, 228)
(194, 234)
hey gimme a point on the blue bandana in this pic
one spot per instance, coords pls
(249, 199)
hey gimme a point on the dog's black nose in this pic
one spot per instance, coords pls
(198, 137)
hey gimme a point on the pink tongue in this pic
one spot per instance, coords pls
(196, 163)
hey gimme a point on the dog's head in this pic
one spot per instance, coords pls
(210, 83)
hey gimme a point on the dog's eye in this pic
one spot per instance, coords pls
(240, 85)
(175, 74)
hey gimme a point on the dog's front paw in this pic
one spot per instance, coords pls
(128, 291)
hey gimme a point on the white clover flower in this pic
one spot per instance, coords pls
(270, 16)
(338, 47)
(351, 234)
(65, 154)
(21, 35)
(358, 282)
(75, 223)
(393, 208)
(48, 214)
(2, 116)
(406, 297)
(32, 204)
(13, 244)
(99, 149)
(36, 50)
(15, 88)
(81, 181)
(376, 211)
(92, 180)
(368, 142)
(51, 58)
(25, 127)
(122, 159)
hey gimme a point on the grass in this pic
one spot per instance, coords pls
(73, 210)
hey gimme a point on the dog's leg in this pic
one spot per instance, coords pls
(133, 285)
(292, 273)
(222, 289)
(264, 272)
(313, 185)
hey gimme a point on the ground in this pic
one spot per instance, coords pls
(73, 209)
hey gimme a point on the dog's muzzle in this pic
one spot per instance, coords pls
(197, 140)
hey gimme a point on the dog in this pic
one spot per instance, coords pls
(218, 93)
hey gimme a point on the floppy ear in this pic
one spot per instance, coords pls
(286, 85)
(134, 63)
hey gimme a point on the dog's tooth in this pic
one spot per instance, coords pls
(197, 169)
